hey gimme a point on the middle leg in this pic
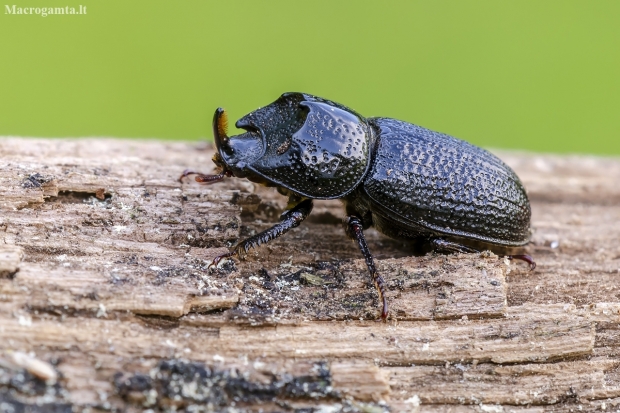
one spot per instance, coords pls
(355, 230)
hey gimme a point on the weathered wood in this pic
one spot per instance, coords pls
(522, 384)
(104, 279)
(539, 333)
(10, 259)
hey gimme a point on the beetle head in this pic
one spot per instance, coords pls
(311, 146)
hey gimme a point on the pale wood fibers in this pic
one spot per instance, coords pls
(103, 274)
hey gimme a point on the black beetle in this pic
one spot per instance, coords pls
(406, 181)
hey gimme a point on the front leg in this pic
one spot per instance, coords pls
(291, 218)
(355, 230)
(204, 178)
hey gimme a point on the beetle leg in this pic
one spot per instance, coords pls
(442, 245)
(526, 258)
(203, 178)
(289, 219)
(450, 247)
(355, 230)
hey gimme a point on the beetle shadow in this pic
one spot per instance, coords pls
(384, 247)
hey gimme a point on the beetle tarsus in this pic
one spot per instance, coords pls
(355, 230)
(204, 178)
(526, 258)
(186, 173)
(219, 258)
(209, 179)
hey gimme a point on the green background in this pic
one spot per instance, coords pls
(529, 74)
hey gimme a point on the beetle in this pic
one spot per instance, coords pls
(406, 181)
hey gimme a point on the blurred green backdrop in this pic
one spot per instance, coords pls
(530, 74)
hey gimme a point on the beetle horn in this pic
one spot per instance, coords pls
(220, 125)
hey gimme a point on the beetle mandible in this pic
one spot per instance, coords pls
(406, 181)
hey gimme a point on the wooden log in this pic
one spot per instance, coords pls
(10, 259)
(104, 279)
(521, 384)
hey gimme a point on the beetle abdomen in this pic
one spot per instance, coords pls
(446, 185)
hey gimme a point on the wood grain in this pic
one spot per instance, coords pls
(105, 280)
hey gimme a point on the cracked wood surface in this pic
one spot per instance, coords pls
(103, 274)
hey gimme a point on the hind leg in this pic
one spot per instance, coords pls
(526, 258)
(449, 247)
